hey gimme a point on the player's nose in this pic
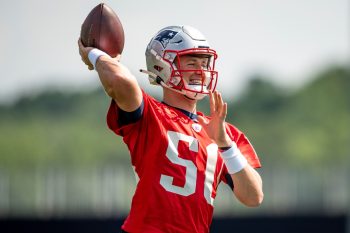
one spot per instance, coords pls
(199, 71)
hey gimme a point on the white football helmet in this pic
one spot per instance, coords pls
(163, 56)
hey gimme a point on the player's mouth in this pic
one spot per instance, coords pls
(195, 82)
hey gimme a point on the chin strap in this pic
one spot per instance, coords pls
(160, 81)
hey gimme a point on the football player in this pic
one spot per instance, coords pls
(179, 155)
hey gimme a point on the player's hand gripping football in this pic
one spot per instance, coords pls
(84, 51)
(215, 127)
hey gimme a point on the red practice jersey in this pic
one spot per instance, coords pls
(179, 169)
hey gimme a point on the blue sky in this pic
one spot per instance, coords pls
(285, 40)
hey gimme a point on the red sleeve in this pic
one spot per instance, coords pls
(129, 132)
(243, 145)
(138, 136)
(246, 149)
(113, 115)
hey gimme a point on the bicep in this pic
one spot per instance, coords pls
(127, 94)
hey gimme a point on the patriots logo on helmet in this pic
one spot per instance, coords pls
(165, 36)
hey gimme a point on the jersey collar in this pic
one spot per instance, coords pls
(190, 115)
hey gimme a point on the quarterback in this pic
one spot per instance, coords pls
(179, 155)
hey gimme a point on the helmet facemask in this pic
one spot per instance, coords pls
(193, 80)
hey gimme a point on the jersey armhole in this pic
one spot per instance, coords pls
(126, 118)
(229, 181)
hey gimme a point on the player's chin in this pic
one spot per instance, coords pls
(195, 96)
(189, 98)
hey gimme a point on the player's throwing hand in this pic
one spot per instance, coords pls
(84, 51)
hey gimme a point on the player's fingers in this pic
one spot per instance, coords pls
(202, 121)
(224, 111)
(85, 61)
(118, 57)
(219, 102)
(80, 44)
(82, 50)
(211, 103)
(214, 101)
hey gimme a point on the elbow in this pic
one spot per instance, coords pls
(255, 201)
(120, 88)
(110, 92)
(111, 87)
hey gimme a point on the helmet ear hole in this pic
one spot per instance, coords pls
(158, 68)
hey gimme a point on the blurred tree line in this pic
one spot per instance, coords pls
(309, 127)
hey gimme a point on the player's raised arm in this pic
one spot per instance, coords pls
(102, 29)
(116, 78)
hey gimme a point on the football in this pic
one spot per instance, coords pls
(102, 29)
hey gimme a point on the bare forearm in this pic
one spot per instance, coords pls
(247, 182)
(119, 83)
(248, 186)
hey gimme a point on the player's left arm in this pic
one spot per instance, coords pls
(247, 182)
(248, 186)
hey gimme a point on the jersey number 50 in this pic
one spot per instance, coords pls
(191, 169)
